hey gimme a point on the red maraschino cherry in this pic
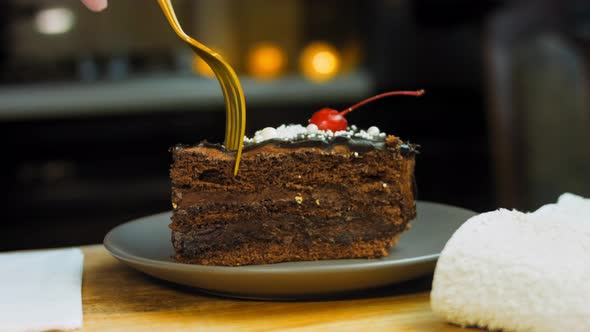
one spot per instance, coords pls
(330, 119)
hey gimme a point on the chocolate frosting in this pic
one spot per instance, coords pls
(354, 144)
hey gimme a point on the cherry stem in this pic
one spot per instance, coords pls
(382, 95)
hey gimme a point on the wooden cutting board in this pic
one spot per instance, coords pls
(117, 298)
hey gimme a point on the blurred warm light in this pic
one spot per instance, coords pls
(201, 67)
(324, 62)
(320, 61)
(266, 61)
(53, 21)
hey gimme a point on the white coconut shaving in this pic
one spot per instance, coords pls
(298, 132)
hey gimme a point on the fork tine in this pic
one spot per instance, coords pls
(235, 129)
(236, 99)
(229, 105)
(240, 109)
(229, 95)
(228, 80)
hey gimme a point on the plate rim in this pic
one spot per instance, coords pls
(268, 268)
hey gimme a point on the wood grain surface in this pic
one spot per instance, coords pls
(117, 298)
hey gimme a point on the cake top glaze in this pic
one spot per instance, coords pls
(355, 140)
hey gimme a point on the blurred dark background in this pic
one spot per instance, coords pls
(90, 103)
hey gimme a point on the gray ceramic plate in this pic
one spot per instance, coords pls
(144, 244)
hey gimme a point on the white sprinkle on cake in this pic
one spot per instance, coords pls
(298, 132)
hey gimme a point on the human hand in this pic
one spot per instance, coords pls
(95, 5)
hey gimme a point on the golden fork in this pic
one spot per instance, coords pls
(235, 104)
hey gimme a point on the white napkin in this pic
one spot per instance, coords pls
(516, 271)
(41, 290)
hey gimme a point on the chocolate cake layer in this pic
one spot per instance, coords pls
(305, 200)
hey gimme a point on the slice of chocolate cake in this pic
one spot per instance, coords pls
(300, 194)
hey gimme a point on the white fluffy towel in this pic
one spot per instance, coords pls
(513, 271)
